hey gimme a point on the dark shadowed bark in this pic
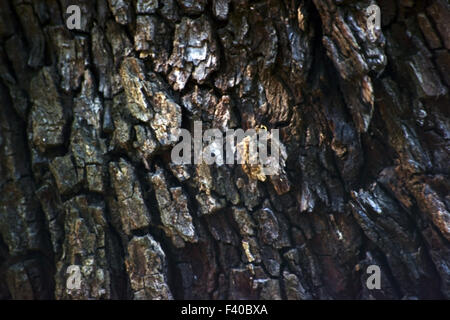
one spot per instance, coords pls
(87, 122)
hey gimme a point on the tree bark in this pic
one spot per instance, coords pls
(87, 120)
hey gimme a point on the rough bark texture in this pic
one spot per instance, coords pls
(86, 131)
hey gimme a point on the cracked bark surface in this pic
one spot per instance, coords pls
(88, 120)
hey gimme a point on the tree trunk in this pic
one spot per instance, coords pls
(89, 188)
